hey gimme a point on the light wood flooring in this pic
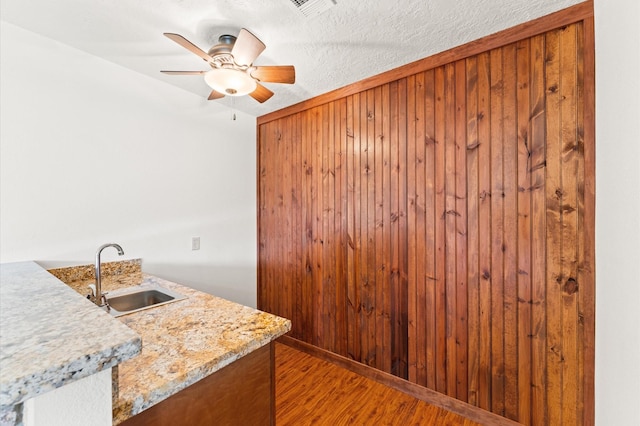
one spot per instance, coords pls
(311, 391)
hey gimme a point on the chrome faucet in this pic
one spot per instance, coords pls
(99, 298)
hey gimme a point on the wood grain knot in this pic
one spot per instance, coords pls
(559, 193)
(570, 286)
(473, 146)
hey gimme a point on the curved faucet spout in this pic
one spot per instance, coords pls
(98, 298)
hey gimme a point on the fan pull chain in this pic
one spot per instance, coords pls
(233, 108)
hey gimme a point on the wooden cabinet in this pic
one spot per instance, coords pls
(242, 393)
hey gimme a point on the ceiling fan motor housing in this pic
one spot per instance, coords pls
(221, 52)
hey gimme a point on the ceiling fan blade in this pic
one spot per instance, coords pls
(189, 46)
(215, 95)
(275, 74)
(246, 48)
(261, 93)
(184, 72)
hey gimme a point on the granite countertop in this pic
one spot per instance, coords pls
(184, 342)
(50, 337)
(54, 341)
(115, 275)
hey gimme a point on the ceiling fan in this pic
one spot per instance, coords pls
(232, 71)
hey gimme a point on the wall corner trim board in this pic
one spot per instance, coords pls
(436, 222)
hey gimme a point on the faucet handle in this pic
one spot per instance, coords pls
(105, 303)
(92, 287)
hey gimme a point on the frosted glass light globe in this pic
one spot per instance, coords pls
(230, 82)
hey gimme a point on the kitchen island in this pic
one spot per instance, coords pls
(196, 340)
(202, 356)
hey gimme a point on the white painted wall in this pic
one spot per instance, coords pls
(84, 402)
(617, 212)
(93, 153)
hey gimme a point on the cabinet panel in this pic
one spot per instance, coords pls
(241, 393)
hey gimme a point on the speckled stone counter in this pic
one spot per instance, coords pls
(47, 345)
(185, 341)
(50, 336)
(115, 275)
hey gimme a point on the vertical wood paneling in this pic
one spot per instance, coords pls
(415, 352)
(461, 232)
(369, 220)
(553, 196)
(497, 232)
(341, 243)
(484, 229)
(523, 320)
(586, 256)
(439, 227)
(330, 218)
(316, 208)
(353, 327)
(473, 271)
(380, 277)
(510, 244)
(359, 209)
(358, 231)
(263, 292)
(584, 72)
(424, 284)
(396, 302)
(419, 205)
(570, 160)
(440, 371)
(538, 243)
(449, 229)
(430, 278)
(386, 355)
(284, 210)
(403, 229)
(307, 149)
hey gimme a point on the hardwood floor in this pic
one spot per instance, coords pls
(311, 391)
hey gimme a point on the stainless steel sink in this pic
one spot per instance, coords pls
(139, 298)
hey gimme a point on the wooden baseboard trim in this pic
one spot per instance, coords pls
(424, 394)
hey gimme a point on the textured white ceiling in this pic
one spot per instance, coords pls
(351, 41)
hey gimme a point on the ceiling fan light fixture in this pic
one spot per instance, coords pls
(233, 72)
(230, 82)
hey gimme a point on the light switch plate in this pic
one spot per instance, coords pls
(195, 243)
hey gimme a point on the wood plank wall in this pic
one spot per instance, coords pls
(439, 226)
